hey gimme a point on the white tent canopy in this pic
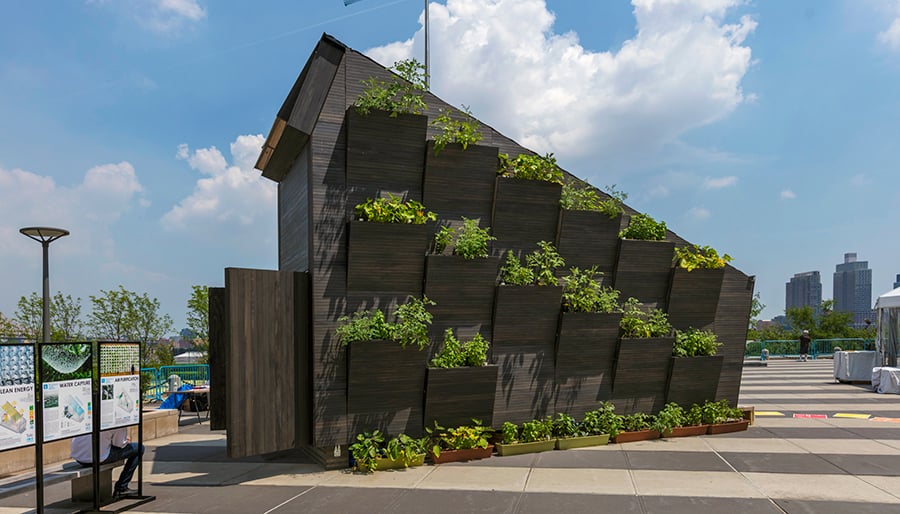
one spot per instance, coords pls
(189, 357)
(887, 342)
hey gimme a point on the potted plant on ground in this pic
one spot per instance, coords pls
(695, 367)
(370, 452)
(642, 363)
(644, 261)
(696, 286)
(571, 434)
(460, 384)
(388, 233)
(526, 208)
(636, 427)
(674, 421)
(463, 443)
(589, 225)
(722, 418)
(532, 437)
(603, 420)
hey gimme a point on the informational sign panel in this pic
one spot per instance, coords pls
(66, 377)
(16, 396)
(120, 384)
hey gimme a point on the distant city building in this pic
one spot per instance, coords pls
(853, 289)
(804, 289)
(897, 282)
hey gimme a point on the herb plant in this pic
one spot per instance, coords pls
(455, 354)
(693, 416)
(465, 437)
(566, 426)
(404, 448)
(536, 430)
(472, 240)
(583, 293)
(413, 320)
(603, 420)
(513, 273)
(510, 432)
(636, 422)
(393, 210)
(363, 326)
(637, 323)
(671, 416)
(402, 94)
(531, 167)
(695, 343)
(645, 228)
(545, 262)
(465, 132)
(579, 196)
(443, 238)
(367, 449)
(700, 257)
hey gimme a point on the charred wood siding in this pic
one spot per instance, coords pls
(694, 298)
(525, 212)
(643, 271)
(694, 379)
(455, 396)
(460, 183)
(589, 239)
(293, 216)
(219, 363)
(585, 360)
(732, 318)
(642, 373)
(464, 292)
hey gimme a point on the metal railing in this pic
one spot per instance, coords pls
(817, 348)
(156, 380)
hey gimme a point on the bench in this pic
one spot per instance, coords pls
(81, 479)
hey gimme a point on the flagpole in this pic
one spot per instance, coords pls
(427, 68)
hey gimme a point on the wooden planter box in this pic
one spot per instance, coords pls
(386, 153)
(526, 314)
(464, 292)
(387, 257)
(525, 212)
(585, 360)
(567, 443)
(588, 238)
(460, 182)
(385, 463)
(463, 455)
(694, 379)
(522, 448)
(727, 428)
(694, 297)
(454, 396)
(640, 435)
(643, 271)
(642, 372)
(686, 431)
(386, 386)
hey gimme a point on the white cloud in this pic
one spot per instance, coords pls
(163, 16)
(719, 182)
(787, 194)
(683, 69)
(232, 195)
(698, 213)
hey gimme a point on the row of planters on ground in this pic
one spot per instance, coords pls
(372, 451)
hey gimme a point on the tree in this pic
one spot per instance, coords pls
(756, 308)
(29, 316)
(198, 315)
(65, 318)
(122, 315)
(7, 327)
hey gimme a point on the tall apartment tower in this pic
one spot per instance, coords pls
(897, 282)
(853, 289)
(804, 289)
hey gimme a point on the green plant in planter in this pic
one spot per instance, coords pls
(402, 94)
(636, 422)
(530, 167)
(404, 448)
(465, 437)
(443, 238)
(536, 430)
(514, 274)
(545, 261)
(694, 416)
(695, 343)
(472, 240)
(465, 132)
(566, 426)
(579, 196)
(363, 326)
(603, 420)
(413, 320)
(583, 293)
(700, 257)
(637, 323)
(393, 210)
(455, 354)
(671, 416)
(367, 449)
(510, 432)
(645, 228)
(714, 413)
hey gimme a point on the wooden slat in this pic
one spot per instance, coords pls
(218, 358)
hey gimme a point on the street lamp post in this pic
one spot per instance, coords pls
(45, 236)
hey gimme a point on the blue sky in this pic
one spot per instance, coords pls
(766, 129)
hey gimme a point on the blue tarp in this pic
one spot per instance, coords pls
(174, 400)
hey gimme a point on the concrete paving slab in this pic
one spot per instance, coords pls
(819, 487)
(676, 461)
(780, 463)
(675, 444)
(746, 445)
(578, 503)
(402, 478)
(890, 485)
(845, 446)
(860, 465)
(337, 499)
(614, 459)
(452, 502)
(594, 481)
(196, 473)
(710, 484)
(693, 505)
(833, 507)
(476, 478)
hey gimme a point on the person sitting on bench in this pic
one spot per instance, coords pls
(114, 446)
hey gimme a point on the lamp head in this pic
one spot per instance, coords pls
(44, 235)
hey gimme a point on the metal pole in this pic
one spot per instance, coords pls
(427, 67)
(46, 331)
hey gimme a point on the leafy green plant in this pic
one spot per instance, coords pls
(465, 131)
(465, 437)
(472, 240)
(714, 413)
(393, 210)
(531, 167)
(694, 416)
(645, 228)
(583, 293)
(579, 196)
(477, 350)
(566, 426)
(695, 343)
(413, 320)
(545, 261)
(671, 416)
(404, 448)
(513, 273)
(536, 430)
(603, 420)
(614, 205)
(402, 94)
(636, 422)
(638, 323)
(700, 257)
(443, 238)
(510, 432)
(363, 326)
(455, 354)
(367, 449)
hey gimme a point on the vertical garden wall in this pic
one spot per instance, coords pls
(327, 158)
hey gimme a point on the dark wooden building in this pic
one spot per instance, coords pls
(282, 379)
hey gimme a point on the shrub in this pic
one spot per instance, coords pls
(700, 257)
(465, 132)
(393, 210)
(645, 228)
(530, 167)
(695, 343)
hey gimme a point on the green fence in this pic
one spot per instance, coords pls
(156, 380)
(818, 347)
